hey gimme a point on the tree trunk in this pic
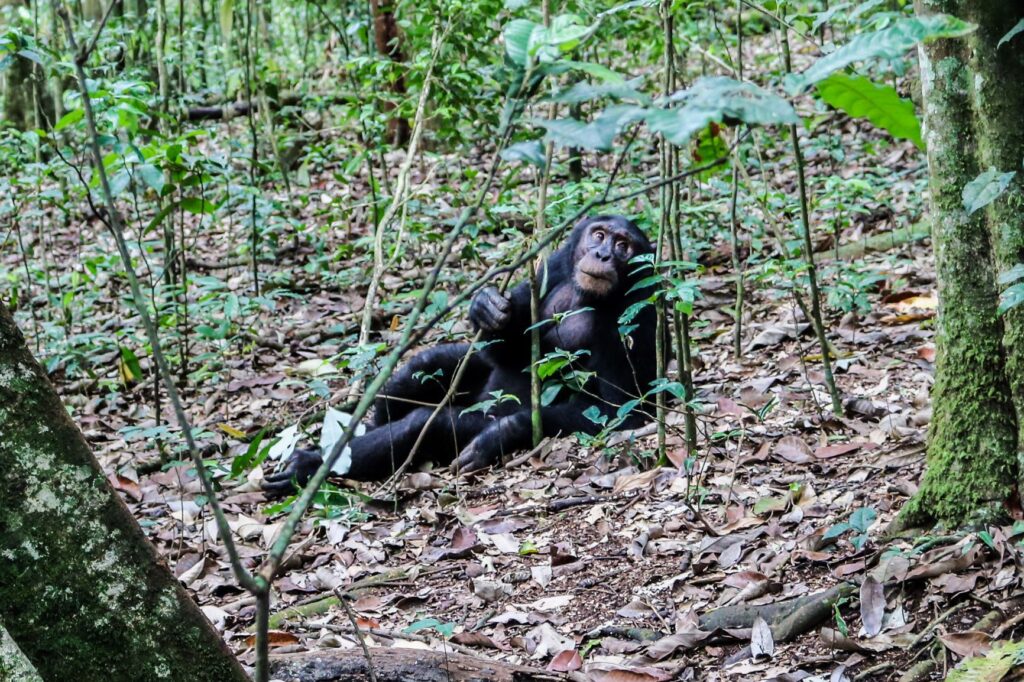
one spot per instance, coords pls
(82, 593)
(972, 465)
(999, 100)
(388, 39)
(14, 666)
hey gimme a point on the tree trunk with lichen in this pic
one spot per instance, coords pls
(972, 464)
(14, 666)
(83, 595)
(999, 102)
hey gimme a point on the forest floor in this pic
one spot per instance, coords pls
(574, 559)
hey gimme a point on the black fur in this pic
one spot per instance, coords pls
(476, 440)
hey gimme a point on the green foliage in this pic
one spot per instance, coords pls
(994, 665)
(985, 189)
(719, 99)
(880, 104)
(1013, 295)
(887, 43)
(497, 398)
(859, 523)
(1012, 33)
(446, 630)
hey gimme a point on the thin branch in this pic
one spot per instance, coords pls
(113, 222)
(83, 57)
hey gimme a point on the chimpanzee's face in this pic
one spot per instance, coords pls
(603, 248)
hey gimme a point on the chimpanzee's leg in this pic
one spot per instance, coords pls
(377, 453)
(380, 451)
(426, 378)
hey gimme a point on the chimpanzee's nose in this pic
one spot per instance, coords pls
(604, 254)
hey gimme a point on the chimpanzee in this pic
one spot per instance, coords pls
(590, 281)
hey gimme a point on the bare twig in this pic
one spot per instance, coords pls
(358, 632)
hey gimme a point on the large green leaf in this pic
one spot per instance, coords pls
(1012, 33)
(596, 135)
(530, 151)
(517, 40)
(587, 92)
(888, 43)
(986, 188)
(716, 99)
(527, 42)
(880, 104)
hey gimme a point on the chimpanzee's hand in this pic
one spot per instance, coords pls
(490, 311)
(299, 468)
(482, 451)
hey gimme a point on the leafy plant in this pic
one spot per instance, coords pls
(859, 523)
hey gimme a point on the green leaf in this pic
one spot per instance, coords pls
(880, 104)
(836, 530)
(160, 217)
(631, 4)
(1012, 33)
(888, 43)
(1012, 275)
(517, 40)
(593, 413)
(597, 71)
(587, 92)
(197, 206)
(119, 182)
(1011, 298)
(567, 31)
(862, 518)
(548, 367)
(70, 118)
(549, 394)
(446, 629)
(626, 408)
(531, 151)
(152, 176)
(31, 55)
(598, 134)
(715, 99)
(994, 665)
(131, 361)
(986, 188)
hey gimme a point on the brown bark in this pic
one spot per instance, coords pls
(82, 592)
(388, 38)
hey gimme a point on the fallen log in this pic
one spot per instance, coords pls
(399, 665)
(788, 619)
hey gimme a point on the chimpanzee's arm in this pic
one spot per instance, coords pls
(503, 322)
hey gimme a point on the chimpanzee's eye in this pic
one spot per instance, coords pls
(599, 235)
(621, 247)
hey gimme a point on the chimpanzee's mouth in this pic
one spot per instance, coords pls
(603, 274)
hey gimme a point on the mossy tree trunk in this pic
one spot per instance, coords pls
(14, 666)
(999, 101)
(82, 593)
(972, 464)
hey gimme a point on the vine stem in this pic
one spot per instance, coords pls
(805, 225)
(401, 192)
